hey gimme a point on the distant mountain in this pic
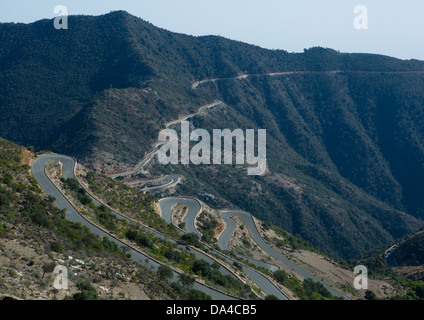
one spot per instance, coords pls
(345, 148)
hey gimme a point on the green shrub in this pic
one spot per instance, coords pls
(4, 201)
(311, 287)
(165, 272)
(198, 295)
(173, 255)
(57, 247)
(86, 295)
(73, 184)
(191, 238)
(281, 276)
(140, 239)
(202, 267)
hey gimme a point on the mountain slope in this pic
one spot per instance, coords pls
(35, 236)
(345, 132)
(306, 190)
(410, 251)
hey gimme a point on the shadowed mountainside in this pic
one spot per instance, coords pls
(345, 148)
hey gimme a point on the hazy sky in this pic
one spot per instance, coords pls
(395, 28)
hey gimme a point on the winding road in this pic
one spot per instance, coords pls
(156, 145)
(249, 223)
(389, 256)
(194, 207)
(166, 205)
(72, 214)
(196, 84)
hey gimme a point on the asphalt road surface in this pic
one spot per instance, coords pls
(165, 205)
(38, 171)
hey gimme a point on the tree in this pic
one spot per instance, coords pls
(87, 291)
(73, 184)
(281, 276)
(165, 272)
(177, 287)
(140, 239)
(215, 266)
(203, 267)
(191, 238)
(311, 287)
(186, 280)
(238, 265)
(419, 291)
(369, 295)
(8, 179)
(173, 255)
(271, 297)
(4, 201)
(267, 225)
(86, 295)
(48, 267)
(198, 295)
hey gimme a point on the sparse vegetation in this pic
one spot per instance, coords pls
(342, 174)
(306, 290)
(158, 248)
(134, 203)
(208, 225)
(31, 223)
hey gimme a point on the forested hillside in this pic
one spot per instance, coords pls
(344, 132)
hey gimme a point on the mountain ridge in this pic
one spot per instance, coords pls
(96, 90)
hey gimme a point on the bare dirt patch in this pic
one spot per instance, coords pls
(318, 265)
(179, 213)
(22, 276)
(336, 276)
